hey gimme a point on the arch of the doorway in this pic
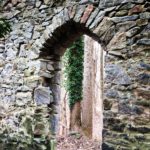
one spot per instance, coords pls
(54, 49)
(106, 28)
(128, 16)
(68, 25)
(63, 37)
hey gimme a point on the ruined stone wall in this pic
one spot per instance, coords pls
(30, 64)
(24, 116)
(127, 81)
(92, 104)
(87, 87)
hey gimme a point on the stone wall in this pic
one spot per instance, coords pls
(87, 87)
(92, 104)
(30, 63)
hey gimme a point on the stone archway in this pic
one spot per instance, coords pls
(115, 32)
(122, 29)
(65, 28)
(63, 37)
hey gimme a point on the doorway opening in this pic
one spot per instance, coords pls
(83, 69)
(85, 114)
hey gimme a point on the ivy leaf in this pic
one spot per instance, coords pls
(4, 27)
(73, 72)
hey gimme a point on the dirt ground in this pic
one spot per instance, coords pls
(76, 142)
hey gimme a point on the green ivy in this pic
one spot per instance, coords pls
(4, 27)
(4, 24)
(73, 71)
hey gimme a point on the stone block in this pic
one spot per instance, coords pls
(97, 20)
(32, 81)
(144, 42)
(91, 17)
(56, 90)
(145, 15)
(72, 11)
(140, 129)
(124, 26)
(107, 104)
(45, 74)
(87, 13)
(121, 13)
(115, 74)
(106, 146)
(136, 9)
(142, 22)
(118, 42)
(112, 93)
(42, 96)
(103, 26)
(125, 18)
(144, 66)
(144, 78)
(79, 12)
(133, 32)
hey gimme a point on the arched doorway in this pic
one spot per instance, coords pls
(115, 36)
(121, 27)
(53, 51)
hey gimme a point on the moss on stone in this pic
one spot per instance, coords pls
(145, 103)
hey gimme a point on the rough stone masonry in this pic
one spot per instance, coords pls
(30, 67)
